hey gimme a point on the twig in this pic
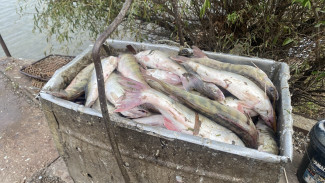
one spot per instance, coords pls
(285, 175)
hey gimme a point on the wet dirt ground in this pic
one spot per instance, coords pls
(25, 140)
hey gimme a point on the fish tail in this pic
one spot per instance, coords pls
(180, 59)
(131, 49)
(197, 52)
(132, 97)
(91, 96)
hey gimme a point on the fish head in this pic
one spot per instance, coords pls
(273, 93)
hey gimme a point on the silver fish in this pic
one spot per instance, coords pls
(253, 73)
(165, 76)
(160, 60)
(239, 105)
(113, 91)
(242, 88)
(77, 85)
(178, 117)
(108, 64)
(266, 141)
(226, 116)
(129, 67)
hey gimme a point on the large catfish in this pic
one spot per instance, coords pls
(179, 118)
(226, 116)
(253, 73)
(159, 60)
(113, 91)
(77, 85)
(242, 88)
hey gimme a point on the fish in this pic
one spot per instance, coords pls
(108, 64)
(248, 92)
(224, 115)
(159, 60)
(77, 86)
(178, 117)
(266, 141)
(96, 105)
(165, 76)
(254, 73)
(153, 120)
(239, 105)
(129, 67)
(113, 91)
(208, 89)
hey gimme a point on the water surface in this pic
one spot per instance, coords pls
(22, 42)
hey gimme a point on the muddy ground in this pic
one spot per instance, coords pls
(25, 141)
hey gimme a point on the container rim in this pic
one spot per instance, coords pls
(284, 157)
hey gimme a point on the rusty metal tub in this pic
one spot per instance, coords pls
(153, 154)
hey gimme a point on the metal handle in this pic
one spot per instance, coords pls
(101, 86)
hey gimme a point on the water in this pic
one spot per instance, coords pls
(22, 42)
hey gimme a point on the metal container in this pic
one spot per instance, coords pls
(154, 154)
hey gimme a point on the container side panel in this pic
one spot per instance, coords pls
(284, 110)
(53, 125)
(88, 152)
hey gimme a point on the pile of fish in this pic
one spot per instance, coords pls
(194, 95)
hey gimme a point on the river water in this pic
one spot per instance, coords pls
(22, 42)
(16, 30)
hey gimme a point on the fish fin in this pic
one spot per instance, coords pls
(169, 125)
(132, 97)
(197, 52)
(131, 49)
(179, 59)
